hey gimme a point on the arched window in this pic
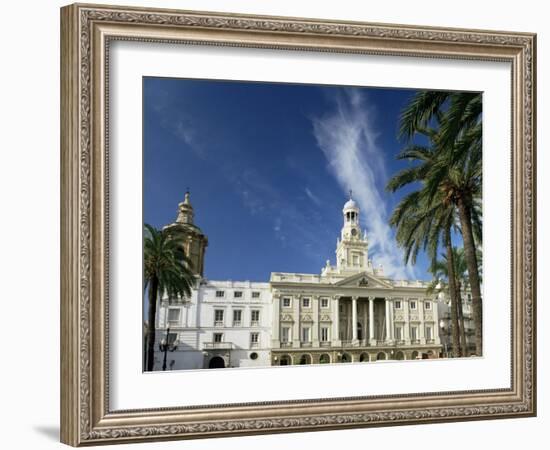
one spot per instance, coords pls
(324, 359)
(285, 360)
(305, 359)
(346, 358)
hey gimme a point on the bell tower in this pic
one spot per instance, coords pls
(352, 248)
(195, 241)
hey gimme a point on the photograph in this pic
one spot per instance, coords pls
(301, 224)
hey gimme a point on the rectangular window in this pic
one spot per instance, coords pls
(397, 304)
(285, 334)
(414, 333)
(220, 294)
(237, 317)
(429, 333)
(306, 302)
(238, 294)
(427, 305)
(324, 303)
(218, 337)
(218, 317)
(398, 333)
(286, 302)
(254, 338)
(355, 260)
(173, 316)
(255, 294)
(412, 304)
(306, 334)
(255, 317)
(324, 334)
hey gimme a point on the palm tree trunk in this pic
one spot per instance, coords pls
(464, 344)
(452, 292)
(473, 274)
(152, 315)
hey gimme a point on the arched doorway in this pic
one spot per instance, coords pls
(364, 357)
(216, 362)
(414, 355)
(399, 356)
(346, 358)
(359, 331)
(324, 359)
(381, 356)
(305, 359)
(285, 360)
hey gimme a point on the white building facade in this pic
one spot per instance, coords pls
(350, 312)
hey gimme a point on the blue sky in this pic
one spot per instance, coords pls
(269, 167)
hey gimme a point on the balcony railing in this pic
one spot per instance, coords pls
(324, 344)
(305, 344)
(218, 345)
(218, 323)
(286, 344)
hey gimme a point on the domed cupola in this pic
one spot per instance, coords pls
(352, 247)
(195, 240)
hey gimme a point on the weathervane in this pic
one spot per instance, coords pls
(350, 192)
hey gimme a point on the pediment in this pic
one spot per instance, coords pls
(364, 280)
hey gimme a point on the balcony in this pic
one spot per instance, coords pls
(217, 346)
(324, 344)
(306, 344)
(286, 344)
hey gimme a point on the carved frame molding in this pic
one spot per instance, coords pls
(86, 31)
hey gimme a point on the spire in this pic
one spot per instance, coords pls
(185, 210)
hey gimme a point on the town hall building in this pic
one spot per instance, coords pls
(349, 312)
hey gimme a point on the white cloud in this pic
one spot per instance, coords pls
(348, 139)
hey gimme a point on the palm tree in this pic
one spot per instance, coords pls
(440, 283)
(458, 172)
(423, 220)
(167, 270)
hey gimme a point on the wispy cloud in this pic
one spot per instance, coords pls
(348, 139)
(312, 196)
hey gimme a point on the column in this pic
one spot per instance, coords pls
(371, 320)
(392, 324)
(275, 328)
(435, 312)
(354, 319)
(407, 325)
(365, 322)
(296, 325)
(335, 338)
(387, 304)
(315, 330)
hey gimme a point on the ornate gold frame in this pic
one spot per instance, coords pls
(86, 31)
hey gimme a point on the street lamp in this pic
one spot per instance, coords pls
(165, 347)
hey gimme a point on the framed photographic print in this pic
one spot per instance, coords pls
(276, 224)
